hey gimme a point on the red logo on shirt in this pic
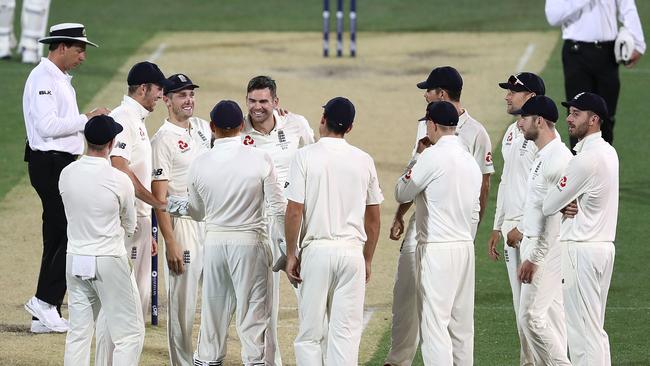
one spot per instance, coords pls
(562, 182)
(408, 175)
(141, 132)
(488, 157)
(182, 145)
(509, 138)
(248, 140)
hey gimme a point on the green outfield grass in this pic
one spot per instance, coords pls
(120, 27)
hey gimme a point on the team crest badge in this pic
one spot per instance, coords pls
(183, 145)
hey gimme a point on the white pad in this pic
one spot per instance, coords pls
(624, 45)
(34, 23)
(7, 39)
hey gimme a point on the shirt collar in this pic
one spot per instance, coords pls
(169, 126)
(332, 140)
(588, 141)
(227, 141)
(462, 118)
(279, 123)
(141, 111)
(447, 139)
(94, 160)
(54, 70)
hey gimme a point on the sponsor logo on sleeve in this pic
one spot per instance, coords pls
(44, 92)
(120, 145)
(562, 183)
(248, 140)
(488, 158)
(509, 138)
(157, 172)
(142, 134)
(407, 176)
(286, 184)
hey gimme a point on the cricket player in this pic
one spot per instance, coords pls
(33, 20)
(591, 178)
(132, 155)
(518, 155)
(232, 187)
(443, 83)
(180, 140)
(280, 136)
(445, 182)
(541, 314)
(97, 269)
(333, 194)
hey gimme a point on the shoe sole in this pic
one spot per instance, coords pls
(35, 314)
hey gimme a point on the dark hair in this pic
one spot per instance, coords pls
(55, 45)
(262, 82)
(95, 147)
(454, 95)
(134, 88)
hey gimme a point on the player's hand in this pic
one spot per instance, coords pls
(423, 144)
(154, 247)
(282, 112)
(174, 256)
(495, 237)
(293, 270)
(397, 229)
(526, 271)
(571, 210)
(636, 56)
(97, 112)
(514, 238)
(368, 270)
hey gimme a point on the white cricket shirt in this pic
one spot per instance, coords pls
(230, 185)
(290, 133)
(445, 183)
(595, 20)
(99, 203)
(174, 148)
(335, 181)
(133, 144)
(547, 169)
(592, 177)
(52, 118)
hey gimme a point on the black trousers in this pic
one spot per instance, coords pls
(591, 67)
(44, 171)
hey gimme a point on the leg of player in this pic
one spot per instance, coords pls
(7, 8)
(34, 23)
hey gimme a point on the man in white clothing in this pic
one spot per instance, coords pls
(333, 194)
(445, 183)
(98, 272)
(591, 177)
(540, 310)
(33, 20)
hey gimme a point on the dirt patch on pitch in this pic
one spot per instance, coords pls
(380, 81)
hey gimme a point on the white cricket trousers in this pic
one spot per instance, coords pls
(113, 290)
(445, 278)
(276, 238)
(541, 310)
(587, 269)
(138, 248)
(513, 261)
(182, 290)
(404, 337)
(236, 280)
(333, 287)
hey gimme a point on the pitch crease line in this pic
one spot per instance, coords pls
(523, 60)
(158, 52)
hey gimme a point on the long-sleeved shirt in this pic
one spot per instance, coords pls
(592, 177)
(445, 183)
(52, 117)
(546, 171)
(230, 185)
(595, 20)
(99, 203)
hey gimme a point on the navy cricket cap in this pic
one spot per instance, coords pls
(178, 82)
(101, 129)
(445, 77)
(339, 111)
(441, 113)
(540, 105)
(145, 73)
(525, 81)
(586, 101)
(227, 115)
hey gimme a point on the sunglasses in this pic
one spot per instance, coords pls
(514, 80)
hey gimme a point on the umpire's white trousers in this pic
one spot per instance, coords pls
(587, 268)
(446, 302)
(113, 290)
(541, 311)
(182, 289)
(236, 280)
(138, 248)
(333, 286)
(404, 335)
(513, 261)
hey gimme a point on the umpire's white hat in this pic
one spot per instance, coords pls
(66, 32)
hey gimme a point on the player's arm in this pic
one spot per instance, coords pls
(483, 197)
(173, 249)
(292, 222)
(416, 179)
(127, 206)
(397, 229)
(629, 17)
(559, 12)
(499, 215)
(141, 192)
(371, 225)
(568, 187)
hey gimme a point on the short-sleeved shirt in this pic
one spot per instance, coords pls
(174, 148)
(335, 181)
(133, 144)
(290, 133)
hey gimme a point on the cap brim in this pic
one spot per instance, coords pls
(48, 40)
(422, 119)
(423, 85)
(513, 87)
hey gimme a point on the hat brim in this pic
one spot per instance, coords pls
(513, 87)
(49, 40)
(423, 85)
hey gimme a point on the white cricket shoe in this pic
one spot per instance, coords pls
(46, 314)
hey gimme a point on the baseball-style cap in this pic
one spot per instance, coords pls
(540, 105)
(145, 73)
(525, 81)
(227, 115)
(67, 32)
(441, 113)
(445, 77)
(178, 82)
(101, 129)
(586, 101)
(339, 111)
